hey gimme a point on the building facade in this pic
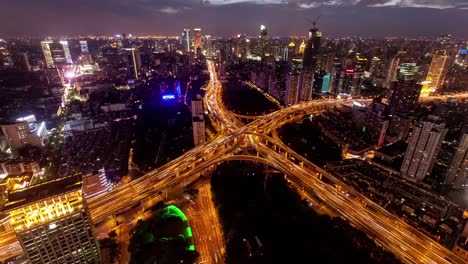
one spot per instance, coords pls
(423, 147)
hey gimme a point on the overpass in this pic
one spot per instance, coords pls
(233, 140)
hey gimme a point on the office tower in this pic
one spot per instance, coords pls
(288, 52)
(360, 63)
(423, 147)
(375, 66)
(326, 62)
(309, 65)
(198, 121)
(458, 169)
(84, 46)
(47, 53)
(263, 41)
(136, 62)
(302, 47)
(292, 88)
(312, 49)
(209, 46)
(306, 82)
(438, 70)
(405, 91)
(326, 83)
(318, 84)
(197, 39)
(66, 51)
(185, 40)
(19, 135)
(52, 223)
(392, 71)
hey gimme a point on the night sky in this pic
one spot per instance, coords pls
(365, 18)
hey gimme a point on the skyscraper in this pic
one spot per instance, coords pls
(292, 88)
(198, 121)
(263, 41)
(47, 53)
(423, 147)
(66, 51)
(288, 52)
(309, 65)
(438, 70)
(84, 46)
(458, 169)
(197, 45)
(392, 71)
(52, 223)
(185, 40)
(312, 49)
(136, 62)
(405, 91)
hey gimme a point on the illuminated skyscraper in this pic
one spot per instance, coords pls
(309, 65)
(392, 71)
(84, 46)
(136, 62)
(288, 52)
(302, 47)
(185, 40)
(209, 46)
(438, 70)
(458, 169)
(198, 121)
(292, 88)
(263, 41)
(52, 223)
(405, 91)
(198, 38)
(47, 53)
(66, 51)
(423, 147)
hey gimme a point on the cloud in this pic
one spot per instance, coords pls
(434, 4)
(307, 4)
(169, 10)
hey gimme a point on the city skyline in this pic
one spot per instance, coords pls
(406, 18)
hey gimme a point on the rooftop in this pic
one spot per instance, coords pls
(43, 191)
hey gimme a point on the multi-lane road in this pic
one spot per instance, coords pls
(406, 242)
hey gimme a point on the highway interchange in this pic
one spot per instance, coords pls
(407, 243)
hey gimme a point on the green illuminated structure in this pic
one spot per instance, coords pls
(174, 211)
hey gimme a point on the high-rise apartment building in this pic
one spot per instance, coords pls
(52, 223)
(458, 169)
(423, 147)
(438, 70)
(198, 121)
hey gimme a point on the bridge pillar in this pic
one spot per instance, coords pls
(302, 164)
(286, 154)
